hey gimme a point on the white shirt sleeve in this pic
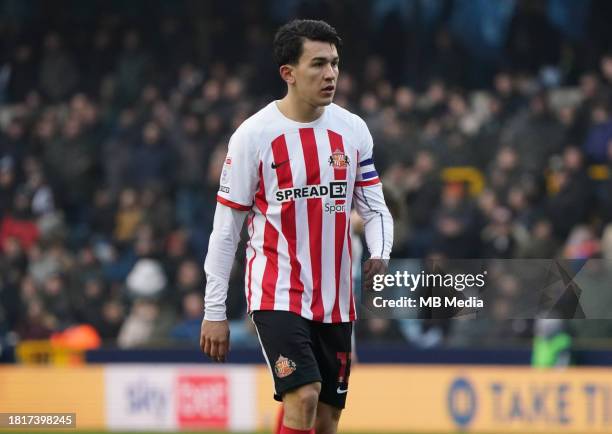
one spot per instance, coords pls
(237, 187)
(240, 173)
(369, 199)
(220, 258)
(378, 224)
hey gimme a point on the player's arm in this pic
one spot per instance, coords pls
(378, 227)
(238, 184)
(214, 338)
(370, 205)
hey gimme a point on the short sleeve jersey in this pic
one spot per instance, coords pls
(297, 182)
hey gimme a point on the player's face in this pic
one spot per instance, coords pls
(316, 73)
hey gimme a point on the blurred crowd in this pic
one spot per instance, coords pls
(111, 148)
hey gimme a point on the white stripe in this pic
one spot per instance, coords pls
(302, 231)
(283, 284)
(345, 284)
(259, 264)
(250, 252)
(328, 265)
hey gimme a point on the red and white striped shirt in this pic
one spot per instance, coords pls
(298, 181)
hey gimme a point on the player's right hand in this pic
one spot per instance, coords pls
(214, 339)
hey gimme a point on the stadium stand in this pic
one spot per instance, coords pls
(114, 126)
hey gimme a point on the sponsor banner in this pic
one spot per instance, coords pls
(202, 401)
(41, 389)
(478, 399)
(215, 398)
(173, 397)
(140, 397)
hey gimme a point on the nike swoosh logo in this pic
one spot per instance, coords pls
(276, 166)
(340, 391)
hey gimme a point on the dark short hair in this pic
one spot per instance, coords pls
(289, 39)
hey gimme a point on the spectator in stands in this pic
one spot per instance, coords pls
(36, 322)
(128, 217)
(573, 202)
(505, 92)
(379, 330)
(58, 74)
(137, 330)
(188, 328)
(605, 190)
(423, 190)
(134, 66)
(600, 133)
(7, 184)
(504, 172)
(535, 133)
(540, 244)
(88, 302)
(498, 240)
(455, 232)
(13, 142)
(57, 297)
(151, 160)
(23, 72)
(113, 317)
(18, 222)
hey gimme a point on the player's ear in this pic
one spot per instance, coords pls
(286, 73)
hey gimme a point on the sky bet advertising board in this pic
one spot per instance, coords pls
(480, 399)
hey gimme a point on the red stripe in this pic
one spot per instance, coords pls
(367, 183)
(232, 204)
(250, 269)
(288, 224)
(315, 219)
(270, 275)
(335, 141)
(350, 250)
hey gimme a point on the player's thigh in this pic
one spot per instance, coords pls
(287, 345)
(327, 420)
(332, 348)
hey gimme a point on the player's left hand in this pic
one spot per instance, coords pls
(372, 267)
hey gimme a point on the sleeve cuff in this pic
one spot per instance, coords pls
(214, 316)
(231, 204)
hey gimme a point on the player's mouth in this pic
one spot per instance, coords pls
(329, 90)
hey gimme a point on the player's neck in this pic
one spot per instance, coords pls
(299, 111)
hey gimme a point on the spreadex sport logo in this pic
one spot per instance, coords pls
(335, 190)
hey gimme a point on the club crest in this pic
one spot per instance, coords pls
(338, 160)
(283, 367)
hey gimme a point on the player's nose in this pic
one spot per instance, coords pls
(329, 73)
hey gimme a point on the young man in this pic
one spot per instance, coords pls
(295, 168)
